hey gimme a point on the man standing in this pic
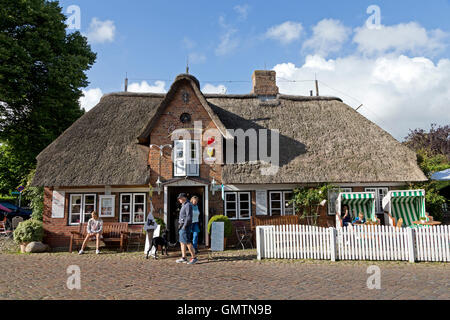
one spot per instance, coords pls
(184, 226)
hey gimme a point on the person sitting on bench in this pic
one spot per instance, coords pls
(94, 229)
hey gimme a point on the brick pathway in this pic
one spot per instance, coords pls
(222, 276)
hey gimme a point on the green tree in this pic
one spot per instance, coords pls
(42, 71)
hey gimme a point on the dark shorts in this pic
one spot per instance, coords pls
(185, 235)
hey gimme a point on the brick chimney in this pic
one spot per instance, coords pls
(265, 83)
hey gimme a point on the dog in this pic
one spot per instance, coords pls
(162, 242)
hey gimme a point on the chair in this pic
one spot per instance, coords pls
(16, 221)
(399, 223)
(243, 237)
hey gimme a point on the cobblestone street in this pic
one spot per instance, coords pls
(230, 275)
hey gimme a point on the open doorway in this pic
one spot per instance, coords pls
(173, 210)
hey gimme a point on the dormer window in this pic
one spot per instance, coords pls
(186, 158)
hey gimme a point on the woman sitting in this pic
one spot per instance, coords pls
(94, 229)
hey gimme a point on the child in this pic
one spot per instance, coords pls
(360, 219)
(94, 229)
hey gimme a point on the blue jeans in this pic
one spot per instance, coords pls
(195, 233)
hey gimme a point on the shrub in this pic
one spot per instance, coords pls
(161, 222)
(29, 231)
(227, 225)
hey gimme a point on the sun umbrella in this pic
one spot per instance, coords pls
(3, 208)
(441, 175)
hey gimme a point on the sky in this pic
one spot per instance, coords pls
(388, 59)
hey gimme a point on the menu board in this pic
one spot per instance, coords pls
(217, 236)
(261, 202)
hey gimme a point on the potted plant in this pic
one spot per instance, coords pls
(28, 231)
(228, 228)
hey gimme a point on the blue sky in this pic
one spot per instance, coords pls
(399, 72)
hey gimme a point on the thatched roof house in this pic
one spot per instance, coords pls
(321, 140)
(111, 152)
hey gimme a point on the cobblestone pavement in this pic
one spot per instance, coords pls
(231, 275)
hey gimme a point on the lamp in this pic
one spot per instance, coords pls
(214, 186)
(158, 186)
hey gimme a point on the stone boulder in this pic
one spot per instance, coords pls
(36, 247)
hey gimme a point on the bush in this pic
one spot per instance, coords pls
(29, 231)
(228, 228)
(161, 222)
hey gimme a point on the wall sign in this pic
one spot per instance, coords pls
(261, 202)
(58, 201)
(217, 236)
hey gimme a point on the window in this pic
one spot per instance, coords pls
(380, 193)
(132, 208)
(332, 197)
(81, 206)
(238, 205)
(107, 206)
(279, 203)
(186, 158)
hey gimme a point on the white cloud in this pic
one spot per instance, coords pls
(196, 58)
(189, 43)
(90, 98)
(209, 88)
(398, 92)
(328, 36)
(228, 41)
(144, 86)
(101, 31)
(286, 32)
(401, 38)
(242, 11)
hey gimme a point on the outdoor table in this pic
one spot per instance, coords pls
(428, 223)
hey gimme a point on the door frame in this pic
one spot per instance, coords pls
(189, 183)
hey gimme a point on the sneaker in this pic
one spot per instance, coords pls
(193, 261)
(80, 252)
(182, 260)
(97, 251)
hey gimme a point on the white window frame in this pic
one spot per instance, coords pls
(237, 195)
(82, 208)
(282, 200)
(187, 165)
(378, 201)
(100, 205)
(333, 203)
(132, 208)
(145, 206)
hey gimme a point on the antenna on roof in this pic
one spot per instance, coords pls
(126, 81)
(317, 85)
(359, 107)
(187, 65)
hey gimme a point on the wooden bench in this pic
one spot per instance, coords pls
(113, 232)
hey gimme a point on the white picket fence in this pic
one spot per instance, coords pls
(354, 243)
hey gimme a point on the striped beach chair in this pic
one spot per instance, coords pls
(408, 205)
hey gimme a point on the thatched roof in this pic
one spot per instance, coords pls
(321, 140)
(101, 147)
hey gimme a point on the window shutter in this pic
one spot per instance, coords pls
(180, 158)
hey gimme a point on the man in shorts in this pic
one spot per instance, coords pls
(184, 226)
